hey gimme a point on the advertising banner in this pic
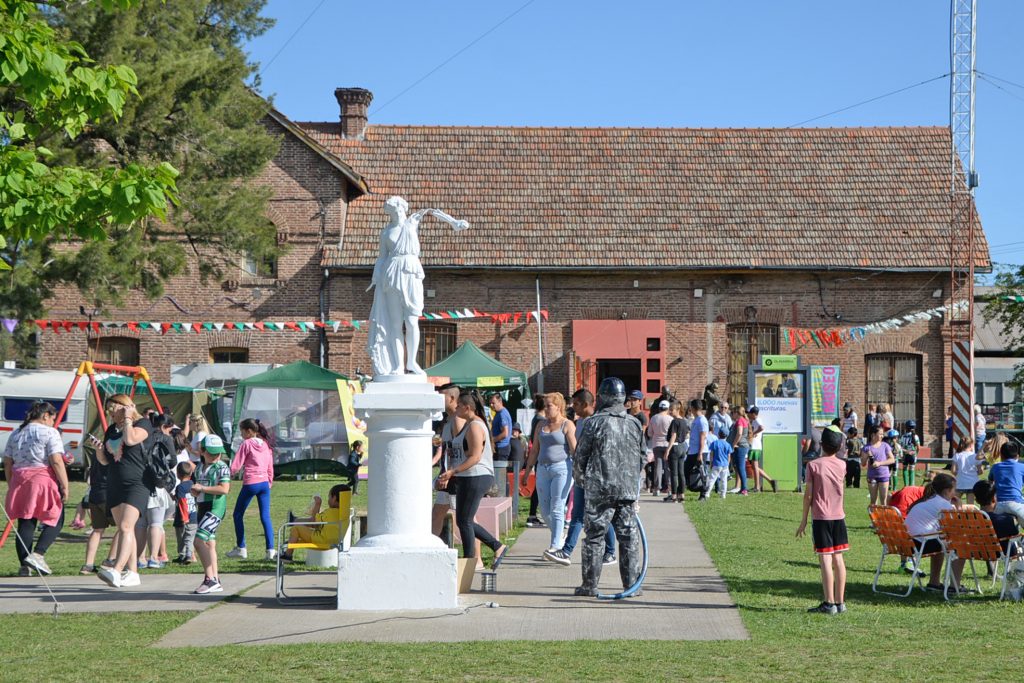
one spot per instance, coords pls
(824, 394)
(356, 428)
(780, 398)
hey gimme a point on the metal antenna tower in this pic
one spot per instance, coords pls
(963, 180)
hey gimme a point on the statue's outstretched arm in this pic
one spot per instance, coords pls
(457, 225)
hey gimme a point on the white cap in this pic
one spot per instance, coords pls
(663, 405)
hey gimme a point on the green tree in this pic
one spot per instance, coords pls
(1006, 306)
(191, 109)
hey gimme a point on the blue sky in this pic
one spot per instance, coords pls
(659, 63)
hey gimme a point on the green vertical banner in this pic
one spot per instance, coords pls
(824, 394)
(780, 457)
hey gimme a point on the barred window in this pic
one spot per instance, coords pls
(747, 343)
(115, 351)
(437, 342)
(895, 378)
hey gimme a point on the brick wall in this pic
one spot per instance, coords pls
(307, 208)
(693, 325)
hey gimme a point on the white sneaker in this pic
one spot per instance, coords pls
(239, 553)
(129, 578)
(36, 561)
(271, 555)
(209, 586)
(110, 577)
(735, 490)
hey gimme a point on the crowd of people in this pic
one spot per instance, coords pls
(143, 472)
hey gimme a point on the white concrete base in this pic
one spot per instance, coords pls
(373, 579)
(322, 558)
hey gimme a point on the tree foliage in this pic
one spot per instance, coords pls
(185, 103)
(1006, 307)
(50, 90)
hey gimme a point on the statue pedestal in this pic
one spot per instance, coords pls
(399, 564)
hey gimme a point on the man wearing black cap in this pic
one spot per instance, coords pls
(609, 458)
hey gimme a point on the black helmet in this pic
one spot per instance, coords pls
(611, 391)
(910, 424)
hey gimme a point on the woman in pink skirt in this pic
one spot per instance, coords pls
(38, 485)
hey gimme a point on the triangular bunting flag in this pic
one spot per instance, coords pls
(259, 326)
(178, 327)
(335, 325)
(355, 324)
(302, 326)
(197, 327)
(207, 326)
(43, 324)
(133, 326)
(250, 326)
(218, 326)
(164, 327)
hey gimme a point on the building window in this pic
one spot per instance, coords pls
(895, 378)
(437, 342)
(229, 354)
(115, 351)
(259, 267)
(747, 343)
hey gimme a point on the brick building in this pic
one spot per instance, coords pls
(666, 256)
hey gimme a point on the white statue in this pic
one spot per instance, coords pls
(398, 276)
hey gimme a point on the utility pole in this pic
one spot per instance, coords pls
(963, 180)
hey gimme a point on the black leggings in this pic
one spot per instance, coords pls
(468, 494)
(27, 533)
(534, 502)
(675, 466)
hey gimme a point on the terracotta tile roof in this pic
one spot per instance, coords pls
(653, 198)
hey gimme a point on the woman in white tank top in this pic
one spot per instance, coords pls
(472, 465)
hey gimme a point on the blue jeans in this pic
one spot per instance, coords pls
(554, 482)
(576, 524)
(739, 461)
(261, 492)
(979, 441)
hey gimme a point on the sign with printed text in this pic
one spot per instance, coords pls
(495, 381)
(824, 394)
(769, 362)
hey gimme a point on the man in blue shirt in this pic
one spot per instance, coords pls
(1008, 476)
(501, 430)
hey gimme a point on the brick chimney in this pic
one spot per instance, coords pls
(353, 103)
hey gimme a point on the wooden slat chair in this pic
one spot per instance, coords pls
(344, 538)
(891, 530)
(968, 535)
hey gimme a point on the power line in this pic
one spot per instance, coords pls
(445, 62)
(873, 99)
(999, 87)
(997, 78)
(290, 38)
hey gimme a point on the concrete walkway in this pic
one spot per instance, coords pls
(158, 592)
(684, 599)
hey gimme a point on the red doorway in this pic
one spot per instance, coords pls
(632, 350)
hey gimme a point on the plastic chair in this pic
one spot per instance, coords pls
(344, 537)
(891, 530)
(968, 535)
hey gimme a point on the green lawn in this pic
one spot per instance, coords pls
(772, 576)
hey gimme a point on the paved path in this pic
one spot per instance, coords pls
(158, 592)
(684, 599)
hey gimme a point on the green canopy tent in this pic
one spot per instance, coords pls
(179, 401)
(471, 366)
(299, 404)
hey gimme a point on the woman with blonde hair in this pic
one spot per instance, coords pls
(551, 451)
(127, 494)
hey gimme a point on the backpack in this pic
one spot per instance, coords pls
(696, 479)
(159, 472)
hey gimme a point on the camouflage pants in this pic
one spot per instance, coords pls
(622, 517)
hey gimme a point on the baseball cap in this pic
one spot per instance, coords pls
(213, 444)
(517, 427)
(753, 410)
(663, 405)
(637, 394)
(831, 440)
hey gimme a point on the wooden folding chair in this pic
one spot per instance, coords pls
(344, 536)
(891, 530)
(968, 535)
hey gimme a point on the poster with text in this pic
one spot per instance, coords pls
(780, 400)
(824, 394)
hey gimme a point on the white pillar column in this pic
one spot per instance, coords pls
(399, 564)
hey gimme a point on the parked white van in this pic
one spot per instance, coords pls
(19, 389)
